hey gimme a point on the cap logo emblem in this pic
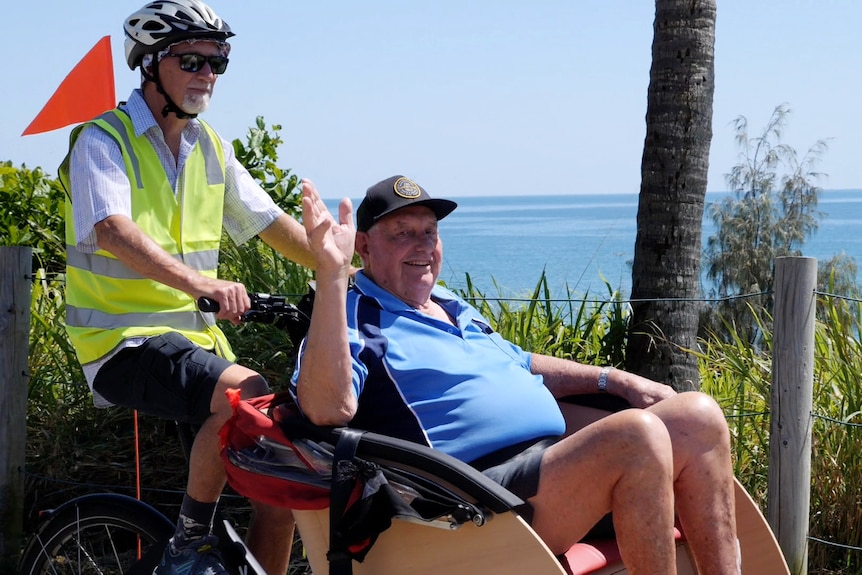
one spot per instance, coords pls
(407, 188)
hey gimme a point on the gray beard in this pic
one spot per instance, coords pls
(195, 105)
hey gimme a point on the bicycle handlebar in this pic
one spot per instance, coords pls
(260, 302)
(272, 309)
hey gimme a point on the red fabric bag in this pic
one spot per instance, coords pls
(263, 464)
(272, 454)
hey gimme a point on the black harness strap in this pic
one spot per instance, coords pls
(344, 474)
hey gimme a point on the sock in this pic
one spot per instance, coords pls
(195, 521)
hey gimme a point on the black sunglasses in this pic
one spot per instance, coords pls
(191, 62)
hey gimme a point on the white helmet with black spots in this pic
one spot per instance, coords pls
(160, 24)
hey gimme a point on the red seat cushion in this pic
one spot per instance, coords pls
(589, 556)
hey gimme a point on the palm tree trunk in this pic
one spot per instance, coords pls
(673, 187)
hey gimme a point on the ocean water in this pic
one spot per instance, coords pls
(580, 242)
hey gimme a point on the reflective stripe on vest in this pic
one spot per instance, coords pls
(95, 318)
(110, 267)
(106, 301)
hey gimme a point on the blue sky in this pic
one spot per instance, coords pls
(482, 97)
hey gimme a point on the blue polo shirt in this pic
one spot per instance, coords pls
(461, 389)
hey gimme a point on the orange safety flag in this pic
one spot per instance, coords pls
(85, 93)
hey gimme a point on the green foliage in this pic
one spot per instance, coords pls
(772, 212)
(31, 214)
(838, 275)
(774, 209)
(739, 377)
(259, 155)
(52, 359)
(573, 328)
(69, 440)
(259, 267)
(836, 435)
(254, 264)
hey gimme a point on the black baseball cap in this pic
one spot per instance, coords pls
(395, 193)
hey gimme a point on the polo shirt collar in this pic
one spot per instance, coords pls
(389, 302)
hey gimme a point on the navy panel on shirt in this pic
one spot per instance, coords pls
(382, 408)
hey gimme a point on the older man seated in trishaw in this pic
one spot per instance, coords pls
(402, 356)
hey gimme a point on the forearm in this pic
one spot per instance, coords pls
(288, 237)
(563, 377)
(325, 379)
(124, 239)
(325, 386)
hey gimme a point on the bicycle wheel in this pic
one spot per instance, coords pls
(108, 534)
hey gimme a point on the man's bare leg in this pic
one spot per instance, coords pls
(703, 479)
(622, 464)
(270, 534)
(270, 537)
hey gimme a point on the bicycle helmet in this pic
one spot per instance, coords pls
(160, 24)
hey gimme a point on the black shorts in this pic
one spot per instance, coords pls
(168, 377)
(517, 468)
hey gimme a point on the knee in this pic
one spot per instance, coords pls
(704, 410)
(703, 418)
(249, 382)
(645, 439)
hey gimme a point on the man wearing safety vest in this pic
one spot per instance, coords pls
(151, 188)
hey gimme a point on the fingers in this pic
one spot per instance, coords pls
(345, 213)
(317, 235)
(314, 210)
(309, 190)
(307, 213)
(331, 241)
(232, 298)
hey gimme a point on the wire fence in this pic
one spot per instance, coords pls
(849, 426)
(714, 300)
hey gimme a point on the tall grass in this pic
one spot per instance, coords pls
(73, 447)
(738, 376)
(740, 379)
(573, 327)
(71, 441)
(836, 467)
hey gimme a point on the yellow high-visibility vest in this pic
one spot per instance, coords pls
(106, 302)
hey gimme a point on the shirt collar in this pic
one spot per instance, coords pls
(389, 302)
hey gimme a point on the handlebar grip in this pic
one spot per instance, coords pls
(208, 305)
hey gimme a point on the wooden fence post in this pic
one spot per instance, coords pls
(15, 264)
(792, 390)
